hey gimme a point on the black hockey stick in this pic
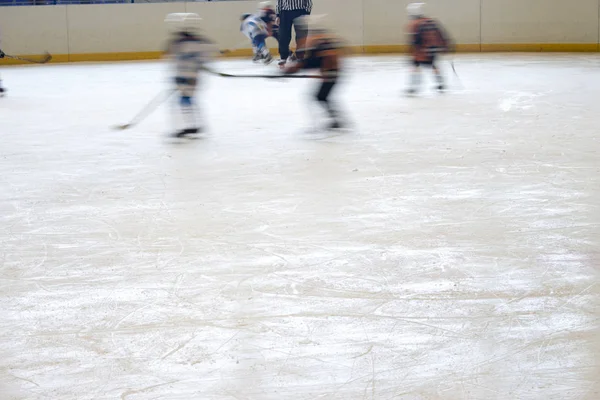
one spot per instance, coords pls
(47, 57)
(224, 75)
(148, 108)
(267, 76)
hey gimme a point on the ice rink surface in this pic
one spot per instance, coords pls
(446, 248)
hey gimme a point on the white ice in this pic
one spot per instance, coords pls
(446, 248)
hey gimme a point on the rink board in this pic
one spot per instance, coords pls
(374, 50)
(119, 32)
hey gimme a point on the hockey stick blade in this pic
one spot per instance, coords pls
(46, 58)
(160, 98)
(121, 127)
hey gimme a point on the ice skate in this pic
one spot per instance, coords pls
(268, 59)
(335, 125)
(283, 62)
(186, 132)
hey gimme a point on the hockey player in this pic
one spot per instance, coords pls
(427, 40)
(2, 90)
(324, 52)
(189, 52)
(267, 14)
(258, 27)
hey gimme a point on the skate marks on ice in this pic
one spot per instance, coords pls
(447, 253)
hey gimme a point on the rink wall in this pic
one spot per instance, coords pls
(104, 32)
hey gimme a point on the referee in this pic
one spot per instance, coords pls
(287, 13)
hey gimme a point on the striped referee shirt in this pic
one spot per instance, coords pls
(289, 5)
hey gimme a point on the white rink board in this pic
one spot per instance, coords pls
(447, 248)
(86, 32)
(133, 27)
(511, 21)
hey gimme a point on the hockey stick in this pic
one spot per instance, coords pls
(267, 76)
(47, 57)
(453, 68)
(456, 74)
(148, 108)
(224, 75)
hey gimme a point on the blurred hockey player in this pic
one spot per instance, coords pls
(189, 52)
(427, 40)
(324, 52)
(267, 14)
(258, 27)
(2, 90)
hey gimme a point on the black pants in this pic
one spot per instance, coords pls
(430, 62)
(287, 19)
(323, 96)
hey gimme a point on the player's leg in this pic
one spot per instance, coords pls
(2, 90)
(285, 36)
(323, 98)
(438, 74)
(247, 30)
(251, 30)
(189, 115)
(415, 78)
(256, 55)
(259, 41)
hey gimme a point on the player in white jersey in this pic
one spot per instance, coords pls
(258, 27)
(189, 53)
(2, 90)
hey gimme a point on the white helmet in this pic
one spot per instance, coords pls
(265, 4)
(415, 9)
(183, 21)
